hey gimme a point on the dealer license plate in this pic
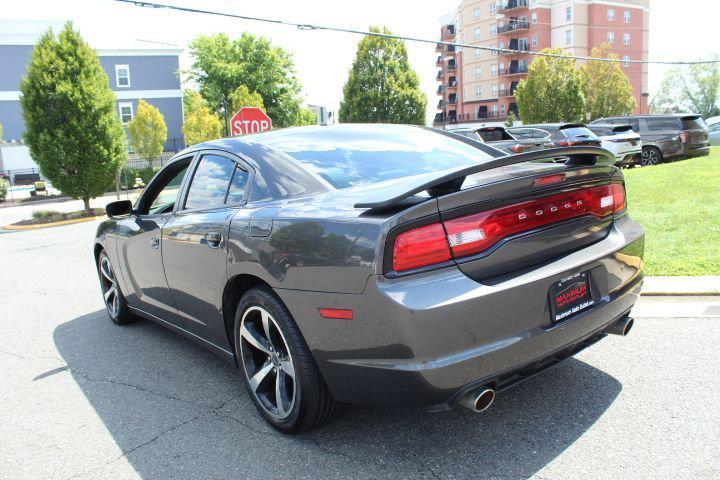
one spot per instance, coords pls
(570, 296)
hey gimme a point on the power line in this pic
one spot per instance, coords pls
(307, 26)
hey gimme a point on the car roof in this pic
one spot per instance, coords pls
(657, 115)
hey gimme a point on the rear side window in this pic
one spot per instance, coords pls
(692, 123)
(238, 184)
(210, 183)
(663, 124)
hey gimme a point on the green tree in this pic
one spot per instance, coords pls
(71, 120)
(201, 123)
(306, 117)
(381, 86)
(221, 65)
(692, 88)
(552, 91)
(148, 131)
(606, 88)
(511, 119)
(243, 97)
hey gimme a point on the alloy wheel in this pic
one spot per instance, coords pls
(267, 362)
(649, 157)
(109, 287)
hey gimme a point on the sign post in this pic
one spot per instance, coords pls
(249, 120)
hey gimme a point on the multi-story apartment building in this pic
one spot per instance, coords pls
(134, 74)
(477, 86)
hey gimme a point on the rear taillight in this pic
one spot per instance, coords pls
(473, 234)
(517, 148)
(420, 247)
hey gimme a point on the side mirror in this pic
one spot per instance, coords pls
(120, 208)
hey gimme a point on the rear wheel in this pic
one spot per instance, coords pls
(650, 156)
(115, 304)
(277, 367)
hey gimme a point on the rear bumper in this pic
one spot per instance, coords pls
(696, 150)
(426, 339)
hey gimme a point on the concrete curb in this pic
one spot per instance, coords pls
(51, 224)
(708, 285)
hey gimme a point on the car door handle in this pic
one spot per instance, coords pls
(155, 242)
(213, 239)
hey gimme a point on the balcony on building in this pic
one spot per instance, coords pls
(439, 47)
(441, 104)
(440, 74)
(441, 89)
(439, 61)
(451, 48)
(452, 99)
(452, 82)
(514, 26)
(452, 116)
(517, 47)
(448, 33)
(513, 86)
(513, 5)
(517, 68)
(439, 118)
(513, 108)
(451, 64)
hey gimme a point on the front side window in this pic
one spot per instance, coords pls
(122, 76)
(210, 182)
(126, 112)
(611, 14)
(168, 194)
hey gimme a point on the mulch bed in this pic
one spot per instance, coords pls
(59, 217)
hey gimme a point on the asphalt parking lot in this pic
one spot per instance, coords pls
(82, 398)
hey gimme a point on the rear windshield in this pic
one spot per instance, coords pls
(578, 132)
(494, 134)
(358, 155)
(600, 131)
(691, 123)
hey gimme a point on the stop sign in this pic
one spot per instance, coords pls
(249, 120)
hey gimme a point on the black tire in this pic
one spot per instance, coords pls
(115, 304)
(651, 156)
(312, 403)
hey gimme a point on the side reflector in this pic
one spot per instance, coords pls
(339, 313)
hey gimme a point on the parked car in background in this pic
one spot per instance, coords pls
(622, 141)
(385, 264)
(501, 138)
(569, 134)
(714, 134)
(666, 136)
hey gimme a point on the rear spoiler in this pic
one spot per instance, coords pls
(452, 182)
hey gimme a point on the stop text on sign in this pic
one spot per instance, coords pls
(250, 120)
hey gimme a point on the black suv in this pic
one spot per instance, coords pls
(667, 136)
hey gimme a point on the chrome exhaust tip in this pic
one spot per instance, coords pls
(478, 400)
(622, 327)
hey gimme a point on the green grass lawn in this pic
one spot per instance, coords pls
(678, 203)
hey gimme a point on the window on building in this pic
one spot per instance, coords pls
(122, 75)
(495, 52)
(493, 30)
(502, 45)
(477, 53)
(495, 110)
(476, 14)
(611, 38)
(626, 60)
(493, 70)
(611, 14)
(478, 72)
(126, 112)
(493, 8)
(478, 91)
(568, 37)
(523, 44)
(494, 90)
(501, 69)
(626, 16)
(626, 39)
(534, 41)
(477, 34)
(533, 17)
(502, 109)
(568, 14)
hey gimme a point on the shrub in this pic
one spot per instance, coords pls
(4, 187)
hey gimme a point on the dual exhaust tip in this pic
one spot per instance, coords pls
(480, 400)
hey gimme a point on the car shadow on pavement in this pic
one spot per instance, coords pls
(177, 411)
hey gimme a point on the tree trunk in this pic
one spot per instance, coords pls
(86, 203)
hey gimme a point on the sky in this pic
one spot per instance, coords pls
(323, 59)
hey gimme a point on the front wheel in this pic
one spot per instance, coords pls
(115, 304)
(277, 367)
(650, 156)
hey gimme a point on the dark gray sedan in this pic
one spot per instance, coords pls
(381, 264)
